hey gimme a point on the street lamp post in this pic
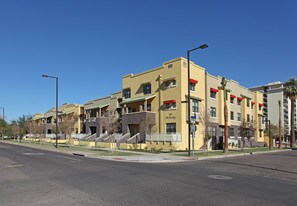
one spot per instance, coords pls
(203, 46)
(47, 76)
(269, 137)
(3, 122)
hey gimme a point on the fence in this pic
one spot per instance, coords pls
(172, 137)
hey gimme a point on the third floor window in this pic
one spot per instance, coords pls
(127, 93)
(147, 89)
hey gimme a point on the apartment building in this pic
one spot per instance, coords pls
(273, 93)
(100, 112)
(66, 112)
(154, 103)
(243, 106)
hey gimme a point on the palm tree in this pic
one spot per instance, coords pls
(291, 92)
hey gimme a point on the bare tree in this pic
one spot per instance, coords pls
(205, 121)
(67, 125)
(112, 124)
(246, 132)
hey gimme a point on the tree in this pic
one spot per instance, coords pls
(226, 136)
(290, 91)
(205, 121)
(112, 124)
(67, 125)
(246, 132)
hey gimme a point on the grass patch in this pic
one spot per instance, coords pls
(74, 149)
(230, 152)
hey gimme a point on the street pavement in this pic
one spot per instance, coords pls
(32, 177)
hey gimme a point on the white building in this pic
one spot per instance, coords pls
(273, 93)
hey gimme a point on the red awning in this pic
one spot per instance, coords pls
(239, 98)
(214, 90)
(169, 101)
(232, 96)
(253, 102)
(193, 81)
(260, 105)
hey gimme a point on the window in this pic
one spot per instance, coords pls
(127, 93)
(213, 95)
(263, 120)
(167, 106)
(149, 107)
(232, 100)
(238, 132)
(167, 84)
(213, 112)
(173, 82)
(247, 102)
(171, 128)
(252, 106)
(173, 105)
(260, 133)
(238, 102)
(232, 115)
(195, 107)
(232, 132)
(222, 131)
(192, 87)
(147, 89)
(248, 118)
(238, 116)
(252, 119)
(212, 131)
(133, 109)
(170, 66)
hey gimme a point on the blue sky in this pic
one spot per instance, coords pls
(77, 40)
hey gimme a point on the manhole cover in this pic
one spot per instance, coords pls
(33, 153)
(220, 177)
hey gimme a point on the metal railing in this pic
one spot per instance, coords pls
(172, 137)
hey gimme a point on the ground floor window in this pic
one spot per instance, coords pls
(171, 128)
(232, 132)
(212, 131)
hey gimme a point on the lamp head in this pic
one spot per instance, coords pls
(203, 46)
(44, 75)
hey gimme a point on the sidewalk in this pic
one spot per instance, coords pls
(141, 157)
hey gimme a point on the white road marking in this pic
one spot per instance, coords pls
(70, 158)
(16, 165)
(219, 177)
(27, 149)
(34, 154)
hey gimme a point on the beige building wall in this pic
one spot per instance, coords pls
(175, 70)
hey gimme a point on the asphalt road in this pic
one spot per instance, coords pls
(36, 177)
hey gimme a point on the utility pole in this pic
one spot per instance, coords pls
(279, 126)
(224, 83)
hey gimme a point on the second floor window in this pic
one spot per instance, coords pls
(195, 106)
(248, 118)
(239, 117)
(213, 95)
(247, 102)
(192, 87)
(213, 112)
(232, 115)
(147, 89)
(127, 93)
(149, 107)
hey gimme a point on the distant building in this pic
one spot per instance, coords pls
(274, 92)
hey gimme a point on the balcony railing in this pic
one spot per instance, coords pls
(172, 137)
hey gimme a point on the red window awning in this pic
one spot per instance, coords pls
(253, 102)
(261, 105)
(239, 98)
(214, 90)
(193, 81)
(232, 96)
(169, 101)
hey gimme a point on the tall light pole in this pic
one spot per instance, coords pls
(269, 138)
(3, 122)
(203, 46)
(47, 76)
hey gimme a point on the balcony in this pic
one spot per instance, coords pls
(138, 122)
